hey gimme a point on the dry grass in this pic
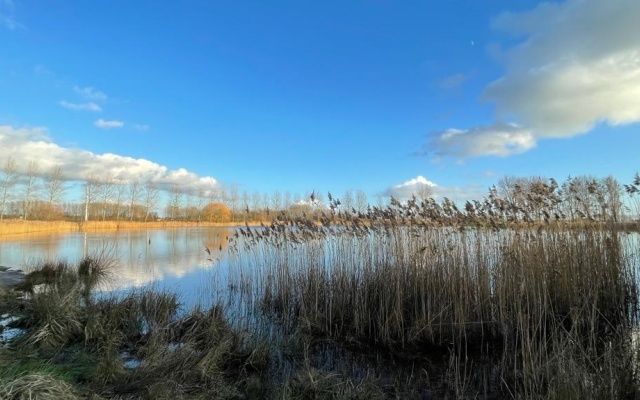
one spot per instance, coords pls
(180, 354)
(18, 227)
(13, 228)
(36, 386)
(553, 305)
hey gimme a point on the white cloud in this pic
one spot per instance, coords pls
(141, 127)
(90, 106)
(417, 181)
(418, 186)
(90, 93)
(578, 65)
(497, 140)
(422, 187)
(34, 144)
(102, 124)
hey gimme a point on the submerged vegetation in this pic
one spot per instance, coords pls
(520, 295)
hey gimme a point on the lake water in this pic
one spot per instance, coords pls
(175, 259)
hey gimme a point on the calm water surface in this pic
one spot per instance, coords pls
(170, 258)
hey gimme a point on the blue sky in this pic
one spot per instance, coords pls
(379, 95)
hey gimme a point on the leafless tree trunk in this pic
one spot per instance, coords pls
(347, 201)
(54, 185)
(9, 179)
(105, 191)
(175, 202)
(200, 200)
(134, 193)
(276, 201)
(31, 188)
(256, 204)
(90, 184)
(121, 191)
(361, 201)
(234, 197)
(287, 201)
(612, 194)
(151, 194)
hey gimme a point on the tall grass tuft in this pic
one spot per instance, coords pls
(177, 354)
(36, 386)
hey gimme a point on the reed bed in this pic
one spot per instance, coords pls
(526, 310)
(414, 300)
(18, 227)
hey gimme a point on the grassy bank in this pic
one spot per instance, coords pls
(76, 345)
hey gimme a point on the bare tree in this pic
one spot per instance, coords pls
(105, 191)
(287, 201)
(256, 204)
(583, 190)
(31, 187)
(134, 193)
(611, 198)
(120, 192)
(361, 202)
(90, 185)
(347, 201)
(424, 192)
(276, 201)
(245, 205)
(175, 202)
(9, 179)
(54, 185)
(233, 198)
(200, 199)
(381, 200)
(151, 195)
(265, 204)
(195, 200)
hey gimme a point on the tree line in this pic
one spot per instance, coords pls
(35, 194)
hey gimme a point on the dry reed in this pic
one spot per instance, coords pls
(549, 301)
(12, 228)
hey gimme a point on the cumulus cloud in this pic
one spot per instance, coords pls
(90, 93)
(421, 187)
(418, 186)
(34, 144)
(90, 106)
(102, 124)
(496, 140)
(577, 65)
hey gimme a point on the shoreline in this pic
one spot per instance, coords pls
(13, 228)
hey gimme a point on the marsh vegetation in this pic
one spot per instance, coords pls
(500, 298)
